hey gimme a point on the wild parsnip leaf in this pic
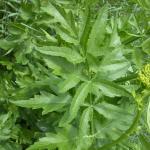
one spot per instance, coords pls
(145, 4)
(53, 10)
(114, 65)
(115, 39)
(148, 114)
(68, 83)
(84, 129)
(116, 122)
(10, 146)
(138, 57)
(58, 65)
(144, 143)
(6, 45)
(49, 37)
(26, 11)
(66, 36)
(85, 29)
(58, 13)
(146, 46)
(98, 31)
(47, 101)
(63, 139)
(70, 54)
(93, 63)
(116, 112)
(51, 141)
(111, 89)
(78, 99)
(7, 125)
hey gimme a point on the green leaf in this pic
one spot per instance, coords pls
(85, 29)
(6, 45)
(146, 46)
(84, 129)
(63, 68)
(58, 65)
(67, 37)
(70, 54)
(114, 121)
(48, 36)
(10, 146)
(138, 58)
(68, 83)
(114, 65)
(47, 101)
(7, 125)
(148, 114)
(97, 34)
(58, 13)
(51, 141)
(93, 63)
(116, 112)
(133, 21)
(17, 29)
(144, 3)
(26, 11)
(78, 100)
(111, 89)
(145, 144)
(115, 38)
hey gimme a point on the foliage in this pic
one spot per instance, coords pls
(75, 75)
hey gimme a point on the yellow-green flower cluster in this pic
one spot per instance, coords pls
(144, 75)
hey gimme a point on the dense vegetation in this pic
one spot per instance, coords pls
(74, 74)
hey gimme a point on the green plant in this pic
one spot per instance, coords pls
(72, 75)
